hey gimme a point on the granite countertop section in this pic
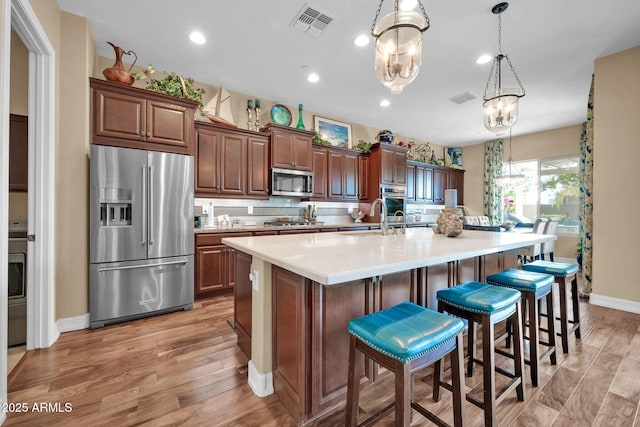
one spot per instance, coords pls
(244, 229)
(331, 258)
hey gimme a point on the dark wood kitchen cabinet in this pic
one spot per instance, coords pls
(137, 118)
(214, 264)
(426, 182)
(343, 175)
(290, 148)
(335, 173)
(18, 152)
(231, 162)
(363, 176)
(320, 179)
(387, 165)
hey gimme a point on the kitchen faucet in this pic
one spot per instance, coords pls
(384, 227)
(404, 221)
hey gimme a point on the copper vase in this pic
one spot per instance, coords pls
(117, 73)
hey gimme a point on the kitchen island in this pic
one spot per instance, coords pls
(304, 289)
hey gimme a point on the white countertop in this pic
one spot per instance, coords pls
(330, 258)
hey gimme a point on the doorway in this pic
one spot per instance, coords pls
(17, 15)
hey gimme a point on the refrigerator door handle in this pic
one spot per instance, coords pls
(144, 206)
(131, 267)
(151, 205)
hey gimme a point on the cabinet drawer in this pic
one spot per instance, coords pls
(216, 239)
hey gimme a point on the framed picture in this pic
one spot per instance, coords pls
(453, 158)
(337, 133)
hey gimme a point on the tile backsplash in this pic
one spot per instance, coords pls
(276, 207)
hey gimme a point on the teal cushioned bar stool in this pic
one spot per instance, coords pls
(404, 338)
(487, 305)
(564, 273)
(533, 287)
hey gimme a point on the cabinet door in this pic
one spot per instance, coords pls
(399, 168)
(119, 116)
(18, 152)
(210, 269)
(456, 181)
(258, 167)
(206, 161)
(302, 152)
(335, 175)
(428, 185)
(386, 168)
(440, 179)
(363, 177)
(168, 124)
(231, 164)
(320, 173)
(281, 150)
(411, 181)
(350, 176)
(230, 255)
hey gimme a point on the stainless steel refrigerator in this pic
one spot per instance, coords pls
(141, 234)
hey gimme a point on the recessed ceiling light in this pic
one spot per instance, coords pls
(361, 40)
(313, 78)
(385, 103)
(483, 59)
(406, 5)
(197, 37)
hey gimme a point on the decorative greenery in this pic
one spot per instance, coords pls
(363, 146)
(579, 250)
(176, 85)
(145, 73)
(317, 140)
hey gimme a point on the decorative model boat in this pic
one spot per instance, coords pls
(218, 110)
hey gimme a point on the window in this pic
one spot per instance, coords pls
(550, 188)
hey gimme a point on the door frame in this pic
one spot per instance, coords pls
(19, 16)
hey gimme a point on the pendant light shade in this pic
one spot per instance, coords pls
(398, 47)
(500, 105)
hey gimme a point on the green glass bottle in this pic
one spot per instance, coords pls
(300, 122)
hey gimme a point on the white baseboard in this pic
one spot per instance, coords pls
(615, 303)
(261, 384)
(76, 323)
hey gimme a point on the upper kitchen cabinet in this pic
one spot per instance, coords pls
(18, 152)
(387, 165)
(231, 162)
(137, 118)
(290, 147)
(426, 182)
(343, 174)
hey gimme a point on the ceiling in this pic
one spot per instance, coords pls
(252, 48)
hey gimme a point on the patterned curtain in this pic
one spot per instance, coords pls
(493, 158)
(586, 192)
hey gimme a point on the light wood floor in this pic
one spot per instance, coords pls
(185, 369)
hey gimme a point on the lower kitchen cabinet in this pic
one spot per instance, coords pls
(214, 264)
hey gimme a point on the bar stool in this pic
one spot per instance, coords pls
(563, 273)
(533, 287)
(404, 338)
(487, 304)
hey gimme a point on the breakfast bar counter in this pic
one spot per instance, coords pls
(295, 294)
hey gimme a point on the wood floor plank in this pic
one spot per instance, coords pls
(185, 369)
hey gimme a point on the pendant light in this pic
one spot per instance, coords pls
(500, 104)
(398, 47)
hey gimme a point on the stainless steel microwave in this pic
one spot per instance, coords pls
(292, 183)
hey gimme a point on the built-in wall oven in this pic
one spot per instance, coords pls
(17, 283)
(395, 199)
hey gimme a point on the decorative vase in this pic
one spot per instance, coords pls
(300, 122)
(117, 73)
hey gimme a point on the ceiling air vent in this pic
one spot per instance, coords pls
(463, 97)
(311, 20)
